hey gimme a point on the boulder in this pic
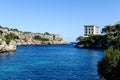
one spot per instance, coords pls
(7, 48)
(11, 48)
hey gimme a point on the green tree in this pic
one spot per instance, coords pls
(117, 27)
(46, 33)
(110, 38)
(108, 29)
(104, 30)
(109, 63)
(80, 38)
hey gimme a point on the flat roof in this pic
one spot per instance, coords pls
(91, 25)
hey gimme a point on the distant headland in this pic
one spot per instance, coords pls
(10, 38)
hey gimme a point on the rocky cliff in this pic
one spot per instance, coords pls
(9, 38)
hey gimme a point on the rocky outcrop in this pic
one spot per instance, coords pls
(7, 48)
(10, 38)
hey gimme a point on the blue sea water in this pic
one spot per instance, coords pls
(53, 62)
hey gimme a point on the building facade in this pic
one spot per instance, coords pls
(90, 29)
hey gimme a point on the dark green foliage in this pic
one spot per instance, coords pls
(111, 38)
(111, 29)
(117, 27)
(46, 33)
(8, 28)
(104, 30)
(4, 27)
(1, 26)
(80, 38)
(109, 66)
(108, 29)
(14, 30)
(105, 41)
(118, 40)
(27, 32)
(37, 37)
(44, 39)
(91, 41)
(9, 37)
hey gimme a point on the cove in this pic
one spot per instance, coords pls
(53, 62)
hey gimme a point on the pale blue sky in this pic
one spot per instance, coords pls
(65, 17)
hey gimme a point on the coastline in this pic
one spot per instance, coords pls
(101, 48)
(10, 38)
(12, 48)
(79, 45)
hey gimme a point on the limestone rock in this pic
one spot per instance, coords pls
(3, 43)
(12, 43)
(7, 48)
(11, 48)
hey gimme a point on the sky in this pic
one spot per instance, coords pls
(64, 17)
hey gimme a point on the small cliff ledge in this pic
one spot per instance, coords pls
(10, 38)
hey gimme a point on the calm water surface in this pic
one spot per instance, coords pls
(58, 62)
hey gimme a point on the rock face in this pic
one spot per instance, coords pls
(7, 48)
(9, 39)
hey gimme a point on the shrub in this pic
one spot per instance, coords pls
(27, 32)
(45, 39)
(37, 37)
(109, 66)
(10, 37)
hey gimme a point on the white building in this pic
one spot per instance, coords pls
(90, 29)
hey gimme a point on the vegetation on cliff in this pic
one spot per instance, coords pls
(24, 38)
(110, 38)
(10, 37)
(109, 66)
(37, 37)
(89, 42)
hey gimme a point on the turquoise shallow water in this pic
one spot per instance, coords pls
(54, 62)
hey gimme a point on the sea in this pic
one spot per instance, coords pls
(50, 62)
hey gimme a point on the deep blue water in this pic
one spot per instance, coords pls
(54, 62)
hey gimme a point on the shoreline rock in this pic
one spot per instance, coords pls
(7, 48)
